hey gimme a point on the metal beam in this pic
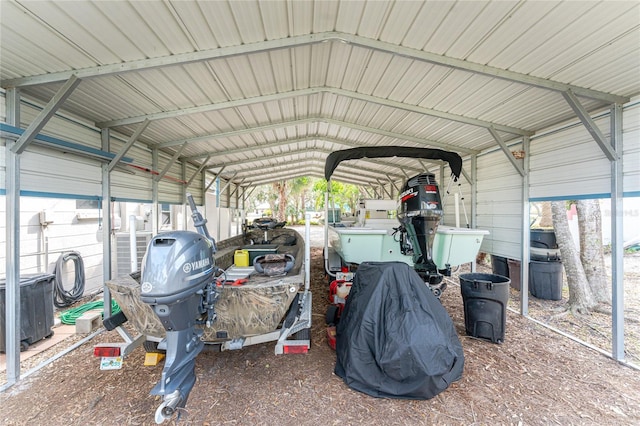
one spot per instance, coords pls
(298, 140)
(229, 181)
(215, 176)
(307, 39)
(384, 188)
(127, 146)
(392, 183)
(237, 186)
(400, 136)
(211, 107)
(105, 141)
(12, 243)
(506, 151)
(617, 236)
(322, 151)
(45, 115)
(202, 166)
(525, 234)
(275, 144)
(307, 92)
(590, 125)
(312, 171)
(303, 163)
(231, 133)
(169, 164)
(292, 175)
(246, 196)
(155, 225)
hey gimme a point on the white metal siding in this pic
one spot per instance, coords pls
(631, 149)
(49, 171)
(569, 163)
(132, 181)
(66, 233)
(499, 208)
(170, 189)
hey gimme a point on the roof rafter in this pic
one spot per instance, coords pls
(307, 92)
(284, 154)
(425, 142)
(307, 39)
(362, 172)
(276, 144)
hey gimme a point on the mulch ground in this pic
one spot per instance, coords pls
(534, 377)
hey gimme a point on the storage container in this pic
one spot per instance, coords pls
(256, 250)
(499, 265)
(36, 309)
(545, 280)
(485, 298)
(543, 238)
(241, 258)
(514, 273)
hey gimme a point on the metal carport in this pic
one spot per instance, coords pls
(157, 98)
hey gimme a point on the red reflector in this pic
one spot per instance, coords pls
(430, 188)
(296, 349)
(102, 351)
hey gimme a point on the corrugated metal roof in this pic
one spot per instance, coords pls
(276, 85)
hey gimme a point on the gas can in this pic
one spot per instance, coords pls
(241, 258)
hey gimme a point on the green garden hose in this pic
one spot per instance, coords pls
(69, 317)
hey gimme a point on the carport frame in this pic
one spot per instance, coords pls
(613, 152)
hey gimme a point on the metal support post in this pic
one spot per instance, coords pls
(617, 238)
(12, 243)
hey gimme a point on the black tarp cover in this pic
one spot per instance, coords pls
(336, 157)
(395, 339)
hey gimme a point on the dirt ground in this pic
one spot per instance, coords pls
(536, 377)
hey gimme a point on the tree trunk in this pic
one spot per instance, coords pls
(581, 299)
(281, 187)
(545, 215)
(591, 250)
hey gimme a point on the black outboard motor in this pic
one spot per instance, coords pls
(420, 212)
(178, 282)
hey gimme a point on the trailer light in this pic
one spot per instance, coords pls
(295, 349)
(106, 351)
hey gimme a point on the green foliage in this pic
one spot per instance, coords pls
(304, 193)
(344, 196)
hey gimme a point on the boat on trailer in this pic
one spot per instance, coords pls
(192, 293)
(251, 305)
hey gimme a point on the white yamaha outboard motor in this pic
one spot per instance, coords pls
(178, 282)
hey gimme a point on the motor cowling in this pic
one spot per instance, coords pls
(175, 270)
(421, 206)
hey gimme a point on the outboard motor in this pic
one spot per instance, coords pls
(178, 283)
(419, 212)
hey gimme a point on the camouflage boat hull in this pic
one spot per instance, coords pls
(254, 308)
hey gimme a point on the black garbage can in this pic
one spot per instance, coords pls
(485, 298)
(499, 265)
(36, 309)
(545, 279)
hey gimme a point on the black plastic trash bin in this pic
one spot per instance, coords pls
(499, 265)
(545, 280)
(485, 298)
(36, 309)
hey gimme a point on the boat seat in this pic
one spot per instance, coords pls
(274, 264)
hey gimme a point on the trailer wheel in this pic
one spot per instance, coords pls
(151, 347)
(331, 316)
(304, 334)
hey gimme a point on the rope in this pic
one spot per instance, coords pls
(61, 297)
(70, 316)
